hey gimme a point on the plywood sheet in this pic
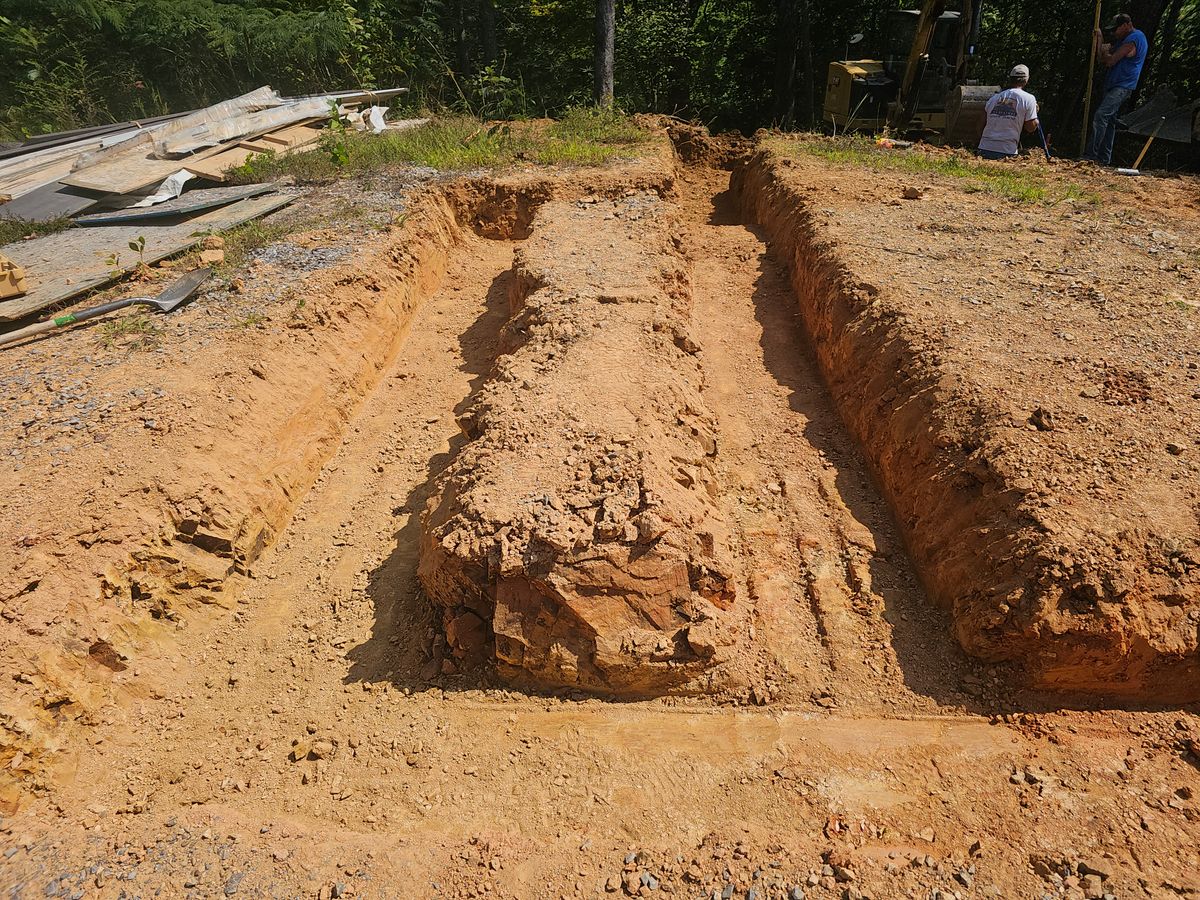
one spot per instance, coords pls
(282, 142)
(61, 266)
(294, 137)
(214, 167)
(49, 202)
(185, 204)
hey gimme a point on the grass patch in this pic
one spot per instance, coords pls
(249, 319)
(138, 331)
(1012, 183)
(243, 240)
(12, 230)
(584, 137)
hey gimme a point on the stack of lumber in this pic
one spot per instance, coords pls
(60, 175)
(133, 179)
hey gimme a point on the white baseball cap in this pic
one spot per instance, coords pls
(1020, 71)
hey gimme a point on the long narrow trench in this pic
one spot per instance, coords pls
(335, 606)
(840, 610)
(308, 727)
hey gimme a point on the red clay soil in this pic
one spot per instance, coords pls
(576, 538)
(150, 469)
(304, 737)
(1024, 381)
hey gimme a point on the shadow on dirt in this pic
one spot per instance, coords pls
(930, 661)
(398, 649)
(922, 634)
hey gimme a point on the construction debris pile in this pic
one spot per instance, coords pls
(129, 184)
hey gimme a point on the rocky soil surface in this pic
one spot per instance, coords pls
(576, 538)
(312, 733)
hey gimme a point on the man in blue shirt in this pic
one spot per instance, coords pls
(1124, 59)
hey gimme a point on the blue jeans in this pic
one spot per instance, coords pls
(993, 154)
(1104, 125)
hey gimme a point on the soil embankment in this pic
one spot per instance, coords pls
(1030, 418)
(576, 537)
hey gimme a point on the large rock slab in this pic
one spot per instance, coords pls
(576, 539)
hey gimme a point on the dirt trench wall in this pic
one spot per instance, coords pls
(1085, 603)
(575, 539)
(177, 500)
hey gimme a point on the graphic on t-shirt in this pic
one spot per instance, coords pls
(1005, 108)
(1007, 113)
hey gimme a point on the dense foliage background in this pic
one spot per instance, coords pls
(732, 63)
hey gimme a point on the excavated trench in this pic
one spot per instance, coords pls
(590, 435)
(97, 618)
(660, 492)
(622, 471)
(1080, 606)
(655, 494)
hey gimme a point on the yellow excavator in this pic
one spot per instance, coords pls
(921, 83)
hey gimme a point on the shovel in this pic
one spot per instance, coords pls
(176, 294)
(1045, 143)
(1146, 149)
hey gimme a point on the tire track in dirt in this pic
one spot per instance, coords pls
(840, 611)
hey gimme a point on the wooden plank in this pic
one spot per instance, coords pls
(136, 164)
(215, 167)
(293, 137)
(61, 266)
(27, 173)
(137, 171)
(56, 139)
(213, 133)
(352, 97)
(184, 205)
(12, 279)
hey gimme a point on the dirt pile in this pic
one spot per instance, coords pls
(576, 536)
(1034, 435)
(696, 147)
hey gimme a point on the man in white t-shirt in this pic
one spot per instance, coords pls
(1009, 113)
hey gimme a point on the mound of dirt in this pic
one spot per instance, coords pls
(696, 147)
(576, 536)
(1034, 433)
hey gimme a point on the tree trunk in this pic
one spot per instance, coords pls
(606, 38)
(462, 50)
(807, 75)
(786, 22)
(1147, 14)
(487, 32)
(1166, 44)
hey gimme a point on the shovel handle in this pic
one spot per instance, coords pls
(64, 320)
(1149, 141)
(28, 331)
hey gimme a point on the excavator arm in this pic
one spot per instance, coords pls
(918, 57)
